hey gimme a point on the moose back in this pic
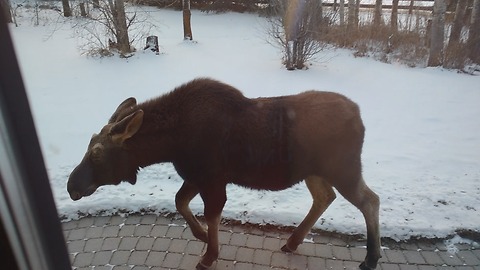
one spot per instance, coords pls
(214, 136)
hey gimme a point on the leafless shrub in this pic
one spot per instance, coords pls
(296, 28)
(99, 32)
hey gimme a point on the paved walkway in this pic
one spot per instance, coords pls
(141, 242)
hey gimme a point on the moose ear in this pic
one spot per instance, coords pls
(127, 104)
(127, 127)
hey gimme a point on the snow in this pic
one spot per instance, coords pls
(422, 146)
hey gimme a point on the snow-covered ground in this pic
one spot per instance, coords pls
(422, 147)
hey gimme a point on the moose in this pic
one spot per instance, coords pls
(214, 135)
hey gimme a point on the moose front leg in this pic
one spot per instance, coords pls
(184, 196)
(214, 199)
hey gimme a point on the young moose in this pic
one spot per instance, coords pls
(214, 135)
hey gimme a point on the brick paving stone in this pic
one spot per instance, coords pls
(69, 225)
(145, 243)
(389, 266)
(94, 232)
(139, 267)
(244, 254)
(116, 220)
(324, 251)
(76, 246)
(149, 219)
(224, 265)
(358, 254)
(111, 243)
(155, 258)
(261, 267)
(120, 257)
(307, 249)
(93, 244)
(101, 221)
(341, 253)
(243, 266)
(178, 245)
(142, 230)
(279, 260)
(101, 267)
(227, 252)
(408, 267)
(262, 257)
(161, 244)
(175, 231)
(77, 234)
(101, 258)
(172, 260)
(224, 237)
(187, 234)
(83, 259)
(414, 257)
(110, 231)
(128, 243)
(333, 264)
(393, 256)
(451, 259)
(159, 231)
(297, 261)
(238, 240)
(432, 257)
(126, 230)
(133, 219)
(85, 222)
(137, 257)
(195, 247)
(189, 262)
(122, 267)
(316, 263)
(465, 267)
(426, 267)
(271, 243)
(254, 241)
(468, 257)
(349, 265)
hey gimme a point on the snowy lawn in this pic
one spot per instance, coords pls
(422, 147)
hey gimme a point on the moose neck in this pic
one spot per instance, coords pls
(155, 142)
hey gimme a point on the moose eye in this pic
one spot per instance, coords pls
(97, 152)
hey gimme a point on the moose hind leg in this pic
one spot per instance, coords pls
(184, 195)
(368, 203)
(323, 195)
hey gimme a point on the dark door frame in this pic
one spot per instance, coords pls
(30, 230)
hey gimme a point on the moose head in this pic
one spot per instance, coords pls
(107, 160)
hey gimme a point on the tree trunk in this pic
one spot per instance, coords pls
(83, 11)
(394, 17)
(474, 35)
(357, 13)
(351, 15)
(377, 15)
(120, 22)
(187, 28)
(342, 12)
(67, 11)
(455, 54)
(437, 34)
(458, 22)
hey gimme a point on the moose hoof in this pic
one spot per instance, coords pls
(201, 266)
(286, 249)
(363, 266)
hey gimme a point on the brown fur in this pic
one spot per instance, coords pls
(214, 135)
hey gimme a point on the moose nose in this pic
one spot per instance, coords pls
(75, 195)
